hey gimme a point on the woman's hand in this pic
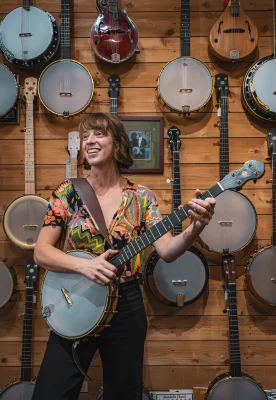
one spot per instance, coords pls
(202, 210)
(99, 270)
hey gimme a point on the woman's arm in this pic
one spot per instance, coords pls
(46, 255)
(171, 247)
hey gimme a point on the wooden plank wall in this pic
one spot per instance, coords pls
(185, 347)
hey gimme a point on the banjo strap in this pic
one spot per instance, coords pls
(89, 198)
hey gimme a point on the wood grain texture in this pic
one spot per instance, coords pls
(186, 346)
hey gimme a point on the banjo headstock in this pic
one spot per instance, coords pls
(30, 89)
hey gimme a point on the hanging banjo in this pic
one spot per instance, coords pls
(182, 281)
(23, 217)
(185, 84)
(65, 86)
(8, 90)
(261, 271)
(259, 84)
(234, 385)
(74, 306)
(234, 223)
(23, 388)
(29, 36)
(8, 281)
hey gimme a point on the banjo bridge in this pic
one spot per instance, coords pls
(25, 34)
(65, 94)
(225, 223)
(67, 296)
(179, 282)
(185, 90)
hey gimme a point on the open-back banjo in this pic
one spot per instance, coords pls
(23, 217)
(8, 90)
(75, 306)
(29, 36)
(234, 385)
(185, 84)
(261, 271)
(65, 86)
(259, 84)
(234, 223)
(182, 281)
(23, 387)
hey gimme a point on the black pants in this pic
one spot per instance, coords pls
(121, 348)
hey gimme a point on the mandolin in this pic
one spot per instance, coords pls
(114, 36)
(234, 35)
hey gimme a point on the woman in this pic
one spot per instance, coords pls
(129, 209)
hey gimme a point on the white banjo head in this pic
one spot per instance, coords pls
(23, 220)
(37, 27)
(233, 225)
(88, 297)
(185, 84)
(6, 284)
(264, 84)
(19, 390)
(238, 388)
(65, 88)
(8, 90)
(262, 272)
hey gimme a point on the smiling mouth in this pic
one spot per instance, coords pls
(93, 151)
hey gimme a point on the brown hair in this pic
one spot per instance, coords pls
(108, 122)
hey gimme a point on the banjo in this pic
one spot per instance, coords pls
(259, 88)
(23, 217)
(234, 223)
(29, 36)
(73, 149)
(185, 84)
(8, 90)
(23, 388)
(65, 86)
(8, 282)
(261, 271)
(182, 281)
(234, 384)
(74, 306)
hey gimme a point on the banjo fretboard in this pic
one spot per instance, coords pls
(65, 30)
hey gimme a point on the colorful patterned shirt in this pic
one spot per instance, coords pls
(137, 212)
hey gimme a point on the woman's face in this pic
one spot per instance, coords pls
(97, 146)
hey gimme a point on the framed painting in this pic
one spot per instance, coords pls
(146, 137)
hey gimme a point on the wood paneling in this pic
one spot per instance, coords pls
(186, 346)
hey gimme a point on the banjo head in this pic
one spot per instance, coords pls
(88, 298)
(188, 275)
(258, 94)
(233, 224)
(238, 388)
(36, 22)
(8, 90)
(185, 84)
(23, 220)
(65, 88)
(261, 275)
(18, 390)
(7, 283)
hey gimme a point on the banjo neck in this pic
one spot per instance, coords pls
(251, 170)
(65, 30)
(114, 92)
(30, 89)
(31, 276)
(185, 36)
(222, 94)
(234, 341)
(27, 5)
(271, 136)
(175, 145)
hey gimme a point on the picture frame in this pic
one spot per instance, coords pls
(146, 135)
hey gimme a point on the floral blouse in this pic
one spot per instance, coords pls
(137, 212)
